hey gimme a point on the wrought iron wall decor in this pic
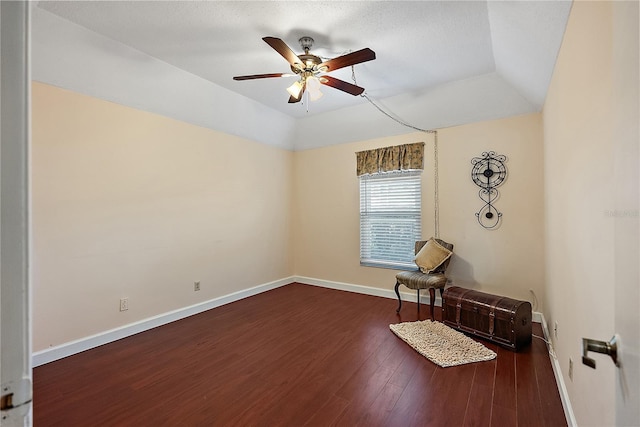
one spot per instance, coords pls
(488, 173)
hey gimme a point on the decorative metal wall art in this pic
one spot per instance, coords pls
(488, 173)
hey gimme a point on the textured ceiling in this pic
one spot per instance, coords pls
(438, 64)
(421, 46)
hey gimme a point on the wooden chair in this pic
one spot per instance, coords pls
(418, 280)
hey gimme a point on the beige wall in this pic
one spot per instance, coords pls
(132, 204)
(508, 260)
(590, 123)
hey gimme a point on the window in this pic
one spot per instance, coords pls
(390, 219)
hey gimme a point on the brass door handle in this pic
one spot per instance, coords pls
(610, 348)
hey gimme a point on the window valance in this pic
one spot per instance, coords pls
(388, 159)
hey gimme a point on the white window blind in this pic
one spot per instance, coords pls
(390, 219)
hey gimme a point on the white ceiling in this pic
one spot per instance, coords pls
(496, 56)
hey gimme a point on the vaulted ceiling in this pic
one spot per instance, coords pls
(438, 63)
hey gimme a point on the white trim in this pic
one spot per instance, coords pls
(15, 218)
(389, 293)
(378, 292)
(77, 346)
(367, 290)
(82, 344)
(557, 372)
(536, 317)
(73, 347)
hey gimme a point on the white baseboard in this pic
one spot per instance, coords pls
(82, 344)
(557, 372)
(378, 292)
(367, 290)
(77, 346)
(537, 317)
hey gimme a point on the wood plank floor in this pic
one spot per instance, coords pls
(298, 355)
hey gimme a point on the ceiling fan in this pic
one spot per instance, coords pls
(311, 69)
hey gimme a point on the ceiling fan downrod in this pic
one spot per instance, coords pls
(310, 62)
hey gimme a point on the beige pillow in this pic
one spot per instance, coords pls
(431, 256)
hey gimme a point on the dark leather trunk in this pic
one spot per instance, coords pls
(503, 320)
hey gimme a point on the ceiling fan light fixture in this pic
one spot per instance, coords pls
(311, 68)
(314, 95)
(313, 86)
(295, 89)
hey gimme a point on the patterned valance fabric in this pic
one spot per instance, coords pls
(388, 159)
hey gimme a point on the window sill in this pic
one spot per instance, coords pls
(389, 266)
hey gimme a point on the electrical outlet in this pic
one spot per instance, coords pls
(571, 369)
(196, 286)
(124, 304)
(555, 329)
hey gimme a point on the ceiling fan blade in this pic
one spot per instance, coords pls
(262, 76)
(281, 47)
(341, 85)
(362, 55)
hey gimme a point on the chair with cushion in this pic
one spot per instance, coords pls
(432, 259)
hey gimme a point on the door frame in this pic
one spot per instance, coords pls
(15, 330)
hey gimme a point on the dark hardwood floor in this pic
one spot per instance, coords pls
(298, 355)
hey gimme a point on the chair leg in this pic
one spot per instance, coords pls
(399, 300)
(432, 300)
(418, 300)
